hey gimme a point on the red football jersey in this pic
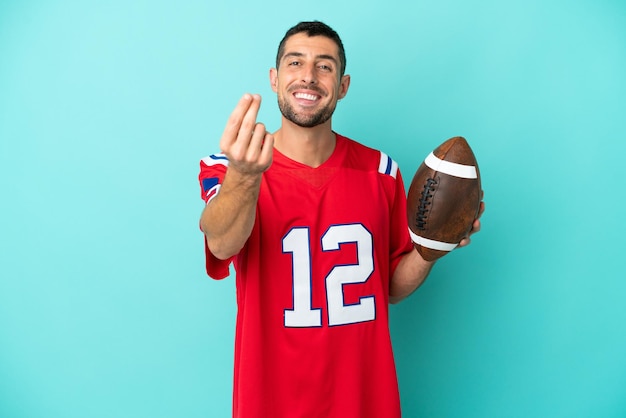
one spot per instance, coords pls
(312, 334)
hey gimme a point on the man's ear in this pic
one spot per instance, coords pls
(274, 79)
(344, 84)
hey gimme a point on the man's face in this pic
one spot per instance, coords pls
(307, 81)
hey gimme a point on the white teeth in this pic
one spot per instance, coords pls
(305, 96)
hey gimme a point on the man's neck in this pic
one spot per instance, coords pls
(308, 146)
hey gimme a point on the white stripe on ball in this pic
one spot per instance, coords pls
(452, 169)
(432, 244)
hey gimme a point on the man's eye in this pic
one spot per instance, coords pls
(325, 67)
(294, 63)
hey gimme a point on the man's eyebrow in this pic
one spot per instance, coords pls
(321, 56)
(327, 57)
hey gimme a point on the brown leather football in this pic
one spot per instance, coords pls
(444, 199)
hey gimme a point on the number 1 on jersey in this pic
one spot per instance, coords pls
(297, 242)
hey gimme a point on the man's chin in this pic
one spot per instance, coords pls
(303, 120)
(308, 123)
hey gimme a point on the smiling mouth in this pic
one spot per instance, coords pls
(306, 96)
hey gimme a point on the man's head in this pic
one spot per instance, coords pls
(314, 28)
(309, 76)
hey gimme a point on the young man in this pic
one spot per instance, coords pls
(315, 224)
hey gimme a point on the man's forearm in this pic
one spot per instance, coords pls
(228, 219)
(409, 275)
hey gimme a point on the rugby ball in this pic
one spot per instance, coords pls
(444, 199)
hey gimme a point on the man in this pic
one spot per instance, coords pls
(315, 224)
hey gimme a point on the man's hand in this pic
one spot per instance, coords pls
(413, 269)
(244, 141)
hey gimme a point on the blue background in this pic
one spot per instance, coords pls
(107, 108)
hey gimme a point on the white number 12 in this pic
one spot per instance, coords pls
(297, 242)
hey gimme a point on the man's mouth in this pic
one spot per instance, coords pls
(306, 96)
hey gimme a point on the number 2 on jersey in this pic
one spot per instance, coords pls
(297, 242)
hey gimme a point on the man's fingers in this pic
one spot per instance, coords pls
(475, 227)
(261, 148)
(246, 143)
(241, 120)
(248, 124)
(253, 148)
(267, 150)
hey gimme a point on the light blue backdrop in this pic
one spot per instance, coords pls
(107, 107)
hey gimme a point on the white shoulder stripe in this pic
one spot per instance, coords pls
(216, 159)
(452, 169)
(211, 193)
(387, 165)
(429, 243)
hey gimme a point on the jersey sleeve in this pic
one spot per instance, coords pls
(400, 239)
(212, 172)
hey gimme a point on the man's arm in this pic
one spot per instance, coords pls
(227, 220)
(410, 273)
(413, 269)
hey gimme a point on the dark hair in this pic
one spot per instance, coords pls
(314, 28)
